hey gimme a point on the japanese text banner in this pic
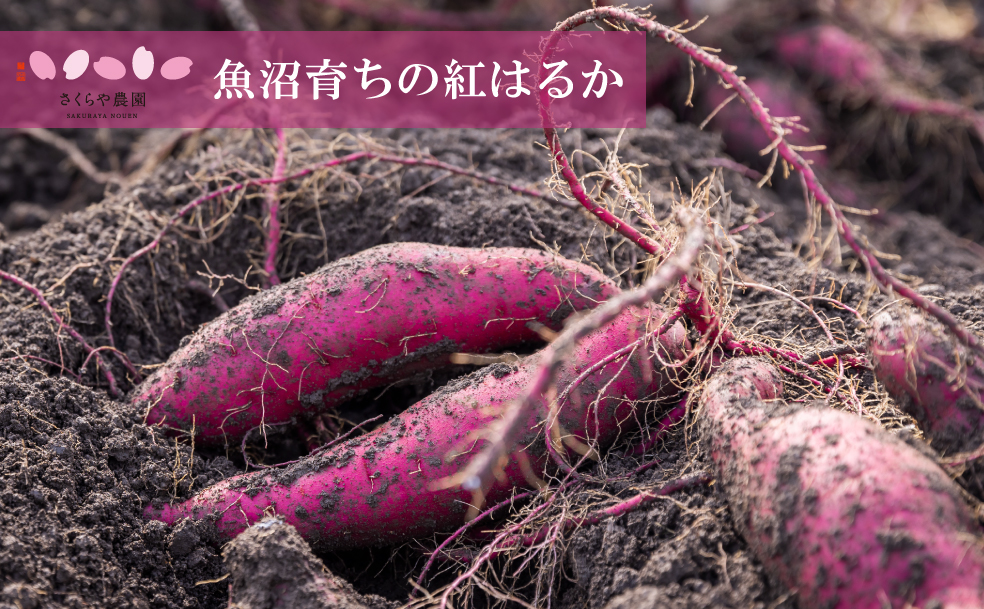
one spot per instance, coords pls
(320, 79)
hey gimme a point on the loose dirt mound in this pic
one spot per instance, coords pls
(271, 566)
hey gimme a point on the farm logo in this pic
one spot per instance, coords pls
(109, 68)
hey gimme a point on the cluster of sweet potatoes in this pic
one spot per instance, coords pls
(384, 487)
(837, 509)
(380, 316)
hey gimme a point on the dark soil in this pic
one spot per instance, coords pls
(683, 552)
(79, 467)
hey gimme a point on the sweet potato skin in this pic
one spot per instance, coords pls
(361, 322)
(378, 489)
(931, 376)
(835, 507)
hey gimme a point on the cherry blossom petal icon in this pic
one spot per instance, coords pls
(143, 63)
(42, 66)
(110, 68)
(76, 64)
(176, 68)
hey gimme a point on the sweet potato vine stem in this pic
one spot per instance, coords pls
(882, 278)
(478, 474)
(649, 245)
(89, 350)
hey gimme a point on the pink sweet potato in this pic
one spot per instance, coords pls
(834, 57)
(359, 323)
(932, 377)
(836, 508)
(744, 137)
(380, 489)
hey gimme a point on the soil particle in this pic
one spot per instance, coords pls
(183, 540)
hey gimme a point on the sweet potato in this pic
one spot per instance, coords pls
(745, 139)
(380, 489)
(358, 323)
(836, 508)
(833, 56)
(932, 376)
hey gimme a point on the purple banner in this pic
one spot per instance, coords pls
(319, 79)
